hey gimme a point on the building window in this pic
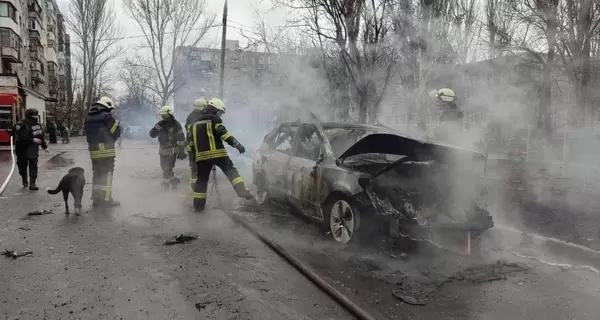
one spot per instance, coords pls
(8, 10)
(9, 38)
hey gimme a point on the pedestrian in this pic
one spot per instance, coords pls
(207, 136)
(29, 136)
(197, 110)
(102, 131)
(51, 132)
(65, 134)
(171, 141)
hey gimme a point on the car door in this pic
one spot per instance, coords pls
(278, 161)
(302, 176)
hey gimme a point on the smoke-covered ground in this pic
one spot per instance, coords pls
(113, 264)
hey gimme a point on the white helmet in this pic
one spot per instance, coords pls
(217, 104)
(107, 102)
(166, 110)
(199, 104)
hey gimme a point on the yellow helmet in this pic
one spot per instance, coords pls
(199, 104)
(446, 95)
(217, 104)
(165, 110)
(107, 102)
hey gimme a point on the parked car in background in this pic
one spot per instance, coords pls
(357, 179)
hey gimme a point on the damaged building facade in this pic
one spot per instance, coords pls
(35, 57)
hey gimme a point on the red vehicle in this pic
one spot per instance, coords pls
(11, 111)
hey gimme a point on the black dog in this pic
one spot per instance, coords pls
(72, 182)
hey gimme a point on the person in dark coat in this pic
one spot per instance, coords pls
(28, 134)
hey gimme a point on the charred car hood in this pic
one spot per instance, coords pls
(413, 148)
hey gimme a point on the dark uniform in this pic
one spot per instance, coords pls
(102, 133)
(51, 132)
(26, 149)
(207, 136)
(191, 118)
(172, 146)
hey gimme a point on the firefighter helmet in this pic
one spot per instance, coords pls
(166, 110)
(199, 104)
(107, 102)
(446, 95)
(217, 104)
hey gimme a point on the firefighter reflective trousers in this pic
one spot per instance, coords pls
(24, 162)
(193, 168)
(167, 163)
(204, 168)
(103, 169)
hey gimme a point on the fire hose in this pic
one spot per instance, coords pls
(12, 168)
(311, 275)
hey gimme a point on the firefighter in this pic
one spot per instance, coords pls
(207, 136)
(102, 131)
(29, 136)
(172, 144)
(450, 128)
(199, 105)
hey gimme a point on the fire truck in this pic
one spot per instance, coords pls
(11, 111)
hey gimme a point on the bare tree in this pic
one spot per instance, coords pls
(500, 25)
(135, 76)
(538, 37)
(168, 25)
(361, 30)
(578, 22)
(94, 23)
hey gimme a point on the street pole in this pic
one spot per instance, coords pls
(223, 37)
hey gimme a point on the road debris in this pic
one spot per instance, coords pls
(14, 254)
(420, 292)
(181, 238)
(39, 213)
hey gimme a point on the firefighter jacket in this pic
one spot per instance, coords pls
(191, 118)
(102, 130)
(24, 132)
(207, 136)
(170, 138)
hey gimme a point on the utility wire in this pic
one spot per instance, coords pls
(241, 27)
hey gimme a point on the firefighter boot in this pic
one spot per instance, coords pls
(242, 191)
(33, 186)
(175, 182)
(25, 182)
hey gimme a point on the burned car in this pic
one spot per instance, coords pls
(354, 179)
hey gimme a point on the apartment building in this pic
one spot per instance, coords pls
(34, 56)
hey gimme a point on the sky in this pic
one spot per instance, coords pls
(241, 17)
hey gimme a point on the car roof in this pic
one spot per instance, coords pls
(340, 125)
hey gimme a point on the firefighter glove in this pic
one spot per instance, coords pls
(181, 155)
(240, 147)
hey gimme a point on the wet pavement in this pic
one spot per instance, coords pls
(112, 265)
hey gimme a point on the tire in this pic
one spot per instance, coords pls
(262, 191)
(342, 220)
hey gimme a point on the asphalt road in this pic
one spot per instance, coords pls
(112, 265)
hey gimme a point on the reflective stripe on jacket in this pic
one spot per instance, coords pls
(102, 130)
(207, 136)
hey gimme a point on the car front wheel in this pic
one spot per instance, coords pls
(262, 192)
(344, 220)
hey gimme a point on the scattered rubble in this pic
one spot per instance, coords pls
(39, 213)
(14, 254)
(181, 238)
(59, 161)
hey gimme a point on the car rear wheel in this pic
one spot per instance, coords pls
(343, 220)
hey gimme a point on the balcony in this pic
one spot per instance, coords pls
(52, 85)
(36, 54)
(34, 36)
(37, 76)
(33, 13)
(10, 54)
